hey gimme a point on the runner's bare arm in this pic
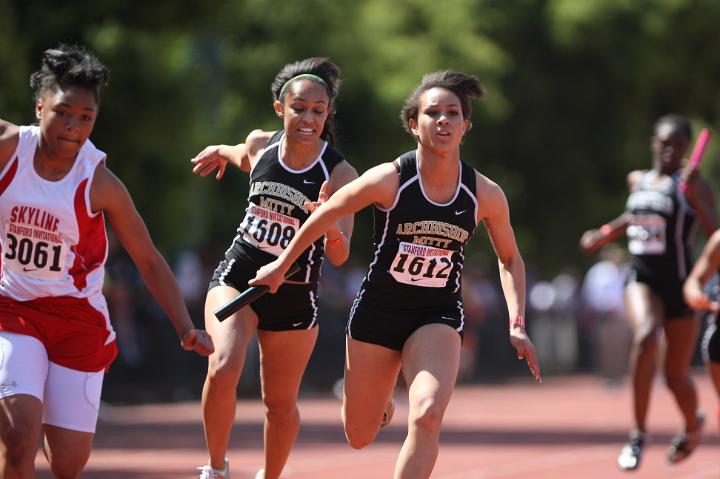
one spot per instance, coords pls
(705, 266)
(701, 196)
(242, 155)
(595, 239)
(494, 212)
(109, 195)
(339, 235)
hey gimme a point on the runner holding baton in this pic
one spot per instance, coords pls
(293, 170)
(665, 206)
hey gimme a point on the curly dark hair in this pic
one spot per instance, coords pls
(466, 87)
(319, 67)
(69, 65)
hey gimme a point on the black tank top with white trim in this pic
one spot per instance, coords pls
(662, 228)
(418, 243)
(276, 207)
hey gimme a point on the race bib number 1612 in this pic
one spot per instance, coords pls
(420, 265)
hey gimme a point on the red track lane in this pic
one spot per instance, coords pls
(569, 427)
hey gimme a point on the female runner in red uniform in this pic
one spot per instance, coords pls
(56, 341)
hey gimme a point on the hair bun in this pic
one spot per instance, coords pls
(68, 65)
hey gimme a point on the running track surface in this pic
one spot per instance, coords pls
(571, 427)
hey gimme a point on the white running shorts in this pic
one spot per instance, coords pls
(71, 398)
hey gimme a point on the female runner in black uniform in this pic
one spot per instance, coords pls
(288, 169)
(660, 223)
(408, 314)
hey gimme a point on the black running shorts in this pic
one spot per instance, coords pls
(383, 318)
(669, 290)
(293, 307)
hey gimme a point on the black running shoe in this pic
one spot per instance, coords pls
(629, 458)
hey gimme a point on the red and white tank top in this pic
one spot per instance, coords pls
(52, 243)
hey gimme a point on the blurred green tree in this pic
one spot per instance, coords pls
(574, 88)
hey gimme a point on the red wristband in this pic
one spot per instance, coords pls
(333, 242)
(517, 321)
(606, 229)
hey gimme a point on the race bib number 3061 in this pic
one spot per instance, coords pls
(421, 265)
(32, 257)
(268, 230)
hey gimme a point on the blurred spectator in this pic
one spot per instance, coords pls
(608, 332)
(552, 325)
(192, 279)
(485, 323)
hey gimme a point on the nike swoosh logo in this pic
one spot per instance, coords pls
(27, 270)
(447, 319)
(460, 212)
(295, 325)
(416, 279)
(307, 182)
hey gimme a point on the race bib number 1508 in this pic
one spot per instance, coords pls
(268, 230)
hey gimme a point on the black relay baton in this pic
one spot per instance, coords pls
(248, 296)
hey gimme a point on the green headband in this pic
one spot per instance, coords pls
(303, 76)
